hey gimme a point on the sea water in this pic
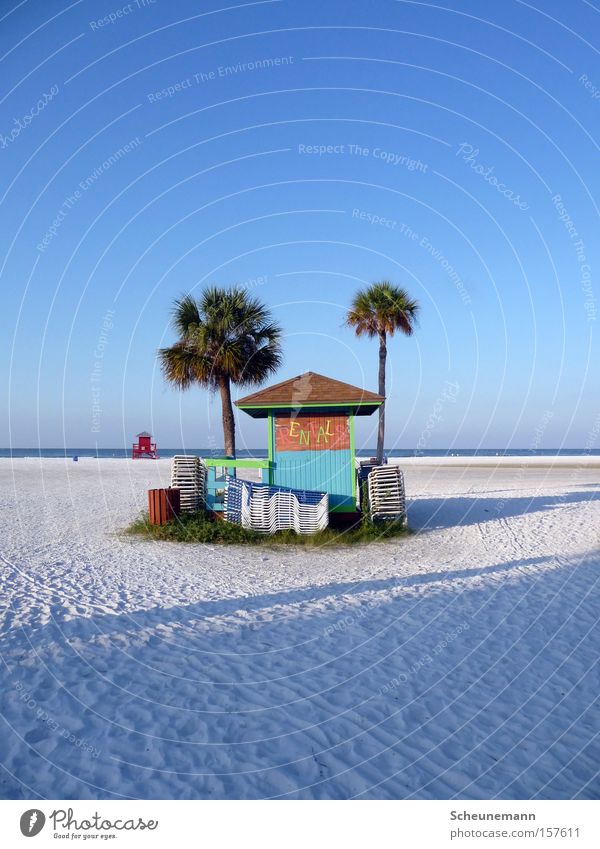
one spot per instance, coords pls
(123, 453)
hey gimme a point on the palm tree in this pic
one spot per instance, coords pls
(225, 337)
(380, 310)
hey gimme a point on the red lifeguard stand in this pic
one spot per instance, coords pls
(144, 447)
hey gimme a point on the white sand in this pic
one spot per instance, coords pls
(587, 461)
(462, 661)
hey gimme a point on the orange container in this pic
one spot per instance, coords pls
(163, 505)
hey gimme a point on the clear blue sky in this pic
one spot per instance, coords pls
(168, 146)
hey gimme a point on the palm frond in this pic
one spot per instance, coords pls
(182, 366)
(224, 333)
(185, 315)
(383, 308)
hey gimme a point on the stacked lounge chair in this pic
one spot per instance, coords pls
(268, 509)
(387, 499)
(188, 475)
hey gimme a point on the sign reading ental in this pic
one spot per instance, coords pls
(312, 433)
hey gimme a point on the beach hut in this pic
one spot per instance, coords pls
(310, 428)
(144, 447)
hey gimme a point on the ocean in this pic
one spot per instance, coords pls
(122, 453)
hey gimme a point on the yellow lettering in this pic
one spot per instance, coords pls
(328, 432)
(323, 434)
(305, 437)
(292, 423)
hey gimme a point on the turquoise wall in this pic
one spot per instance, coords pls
(330, 471)
(216, 481)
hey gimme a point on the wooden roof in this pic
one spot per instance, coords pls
(311, 389)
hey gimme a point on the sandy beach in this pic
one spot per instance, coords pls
(461, 661)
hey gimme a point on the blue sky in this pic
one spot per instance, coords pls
(301, 149)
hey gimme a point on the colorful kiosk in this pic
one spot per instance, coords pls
(310, 425)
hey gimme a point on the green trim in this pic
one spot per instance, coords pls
(240, 464)
(270, 438)
(270, 446)
(312, 404)
(352, 458)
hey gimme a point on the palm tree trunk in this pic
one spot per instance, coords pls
(228, 420)
(381, 429)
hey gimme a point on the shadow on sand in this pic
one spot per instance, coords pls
(127, 624)
(434, 513)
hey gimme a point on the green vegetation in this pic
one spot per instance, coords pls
(199, 527)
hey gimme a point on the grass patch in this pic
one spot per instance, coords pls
(198, 527)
